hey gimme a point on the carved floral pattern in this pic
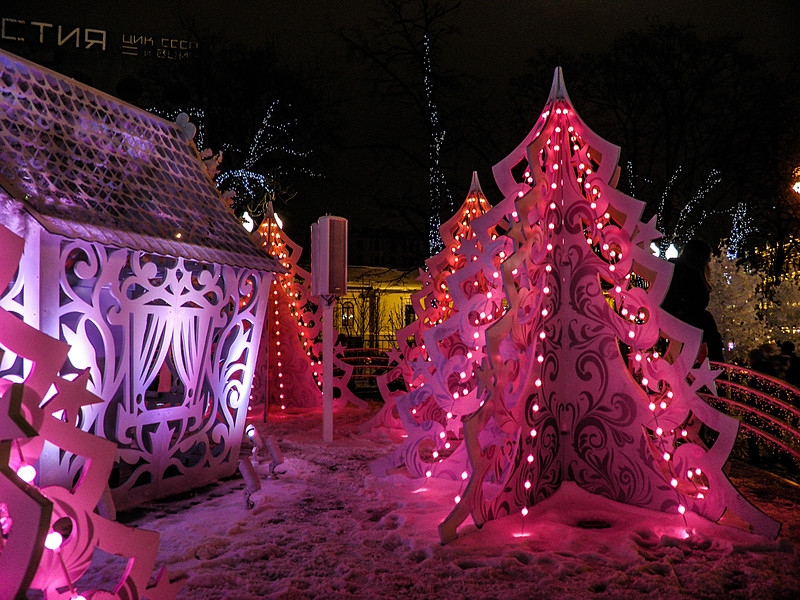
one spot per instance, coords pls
(135, 319)
(40, 411)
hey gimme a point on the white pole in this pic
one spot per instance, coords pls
(327, 369)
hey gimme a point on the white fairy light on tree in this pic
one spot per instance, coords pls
(692, 215)
(742, 227)
(256, 182)
(439, 193)
(662, 205)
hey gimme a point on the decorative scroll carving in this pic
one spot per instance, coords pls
(42, 412)
(436, 394)
(125, 313)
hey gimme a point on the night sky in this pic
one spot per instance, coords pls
(490, 44)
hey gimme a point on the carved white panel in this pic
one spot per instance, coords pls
(170, 347)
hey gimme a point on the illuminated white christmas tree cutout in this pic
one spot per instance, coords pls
(586, 379)
(436, 361)
(290, 363)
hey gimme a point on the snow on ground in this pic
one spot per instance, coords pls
(327, 528)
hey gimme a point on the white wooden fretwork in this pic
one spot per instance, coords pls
(170, 346)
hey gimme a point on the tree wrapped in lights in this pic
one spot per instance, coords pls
(289, 368)
(405, 52)
(263, 166)
(737, 295)
(584, 378)
(436, 361)
(747, 311)
(50, 532)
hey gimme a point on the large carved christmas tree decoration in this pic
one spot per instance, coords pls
(435, 359)
(50, 533)
(289, 369)
(585, 378)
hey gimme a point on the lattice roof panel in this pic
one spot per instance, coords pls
(87, 165)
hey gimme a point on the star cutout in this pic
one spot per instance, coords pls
(164, 589)
(703, 376)
(424, 277)
(421, 368)
(646, 233)
(469, 248)
(72, 395)
(395, 356)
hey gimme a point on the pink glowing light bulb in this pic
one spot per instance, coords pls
(53, 540)
(27, 473)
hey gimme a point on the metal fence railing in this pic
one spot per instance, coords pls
(768, 410)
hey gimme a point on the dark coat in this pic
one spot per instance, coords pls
(687, 299)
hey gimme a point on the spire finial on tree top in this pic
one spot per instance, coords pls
(558, 91)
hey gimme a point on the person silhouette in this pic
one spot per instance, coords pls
(689, 292)
(793, 364)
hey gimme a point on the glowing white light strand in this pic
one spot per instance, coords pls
(742, 228)
(437, 183)
(684, 232)
(251, 182)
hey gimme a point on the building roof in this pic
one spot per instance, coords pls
(87, 165)
(384, 278)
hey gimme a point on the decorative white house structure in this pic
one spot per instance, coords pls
(133, 259)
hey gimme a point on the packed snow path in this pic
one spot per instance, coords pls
(326, 528)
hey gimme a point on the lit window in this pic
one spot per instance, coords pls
(348, 315)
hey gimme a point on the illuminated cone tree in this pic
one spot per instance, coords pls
(289, 369)
(584, 378)
(435, 359)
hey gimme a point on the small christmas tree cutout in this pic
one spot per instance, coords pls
(432, 305)
(585, 379)
(289, 369)
(436, 361)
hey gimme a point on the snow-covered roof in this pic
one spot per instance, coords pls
(87, 165)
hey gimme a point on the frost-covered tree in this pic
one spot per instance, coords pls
(782, 313)
(747, 316)
(736, 298)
